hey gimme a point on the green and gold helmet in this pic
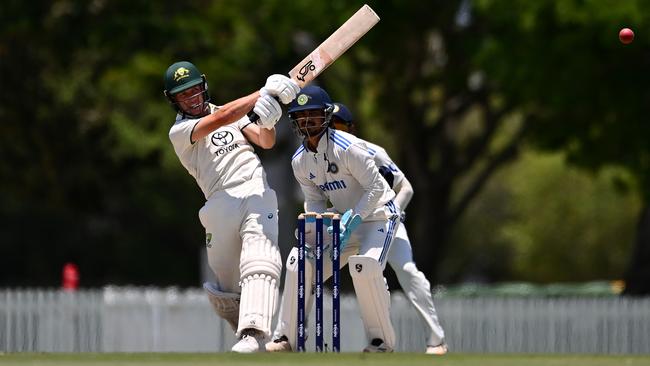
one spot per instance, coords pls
(180, 76)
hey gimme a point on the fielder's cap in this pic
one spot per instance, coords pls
(310, 97)
(342, 112)
(180, 76)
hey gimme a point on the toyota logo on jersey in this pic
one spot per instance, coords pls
(222, 138)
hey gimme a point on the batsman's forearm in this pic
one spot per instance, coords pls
(226, 114)
(267, 138)
(238, 108)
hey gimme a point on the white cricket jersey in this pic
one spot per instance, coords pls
(221, 160)
(343, 172)
(381, 158)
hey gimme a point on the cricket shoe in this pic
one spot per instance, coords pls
(378, 346)
(251, 341)
(438, 350)
(279, 345)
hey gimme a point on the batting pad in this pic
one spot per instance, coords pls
(260, 267)
(373, 298)
(225, 304)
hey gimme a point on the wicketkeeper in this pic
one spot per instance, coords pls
(335, 166)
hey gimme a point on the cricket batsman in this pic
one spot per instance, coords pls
(240, 215)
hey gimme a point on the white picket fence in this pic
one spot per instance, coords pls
(171, 320)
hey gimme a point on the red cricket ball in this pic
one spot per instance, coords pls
(626, 35)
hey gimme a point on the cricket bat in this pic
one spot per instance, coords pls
(332, 48)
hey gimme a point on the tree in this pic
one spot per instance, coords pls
(417, 78)
(543, 220)
(452, 89)
(447, 82)
(88, 173)
(561, 63)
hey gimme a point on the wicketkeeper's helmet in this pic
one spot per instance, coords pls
(311, 97)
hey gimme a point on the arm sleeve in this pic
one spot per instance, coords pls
(315, 200)
(395, 177)
(388, 175)
(181, 134)
(403, 193)
(386, 164)
(363, 168)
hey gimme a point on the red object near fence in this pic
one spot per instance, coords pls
(70, 281)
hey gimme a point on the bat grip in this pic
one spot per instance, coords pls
(252, 116)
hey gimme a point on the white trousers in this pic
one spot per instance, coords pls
(245, 214)
(415, 285)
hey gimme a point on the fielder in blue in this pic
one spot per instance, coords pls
(336, 166)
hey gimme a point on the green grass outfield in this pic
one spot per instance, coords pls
(354, 359)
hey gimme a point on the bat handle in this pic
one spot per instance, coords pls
(252, 116)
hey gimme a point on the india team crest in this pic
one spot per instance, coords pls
(302, 99)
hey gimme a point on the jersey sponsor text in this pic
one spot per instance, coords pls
(333, 185)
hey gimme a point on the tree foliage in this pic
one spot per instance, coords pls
(561, 63)
(543, 221)
(452, 88)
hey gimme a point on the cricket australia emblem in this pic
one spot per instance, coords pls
(181, 73)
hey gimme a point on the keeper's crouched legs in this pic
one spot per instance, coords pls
(373, 298)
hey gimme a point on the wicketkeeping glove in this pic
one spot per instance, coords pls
(349, 222)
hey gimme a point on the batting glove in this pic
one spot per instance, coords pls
(269, 111)
(281, 87)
